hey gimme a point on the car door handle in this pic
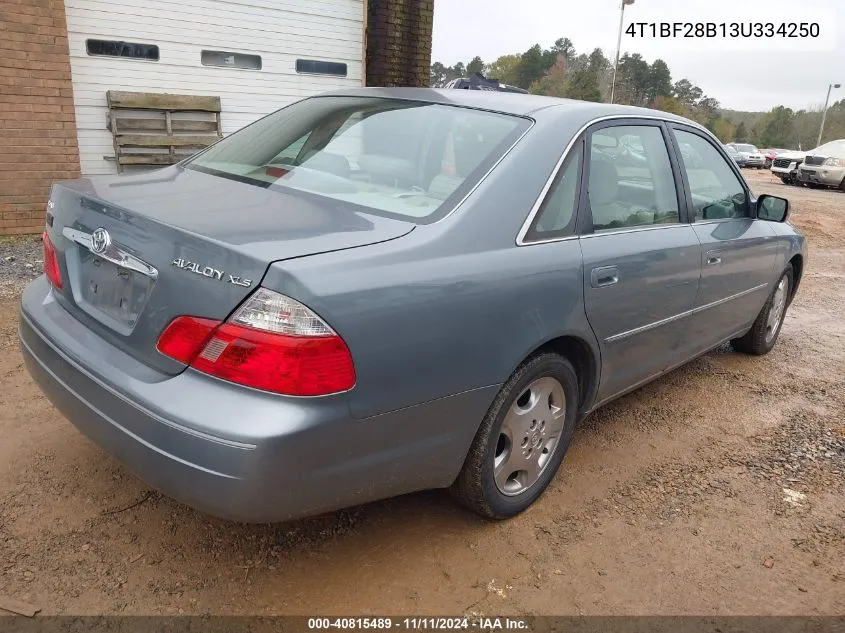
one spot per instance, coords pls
(713, 257)
(604, 276)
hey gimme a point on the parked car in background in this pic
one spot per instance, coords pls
(477, 81)
(785, 166)
(739, 159)
(752, 155)
(770, 155)
(824, 166)
(383, 290)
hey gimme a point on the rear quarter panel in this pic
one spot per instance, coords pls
(421, 328)
(455, 305)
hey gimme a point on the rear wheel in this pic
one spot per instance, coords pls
(763, 335)
(522, 439)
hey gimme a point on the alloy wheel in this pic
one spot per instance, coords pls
(529, 435)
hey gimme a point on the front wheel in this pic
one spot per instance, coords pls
(522, 439)
(763, 335)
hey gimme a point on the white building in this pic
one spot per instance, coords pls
(256, 55)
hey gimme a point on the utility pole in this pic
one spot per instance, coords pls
(824, 112)
(618, 46)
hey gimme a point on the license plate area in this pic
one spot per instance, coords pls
(113, 295)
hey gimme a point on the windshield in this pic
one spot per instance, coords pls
(834, 148)
(748, 149)
(404, 159)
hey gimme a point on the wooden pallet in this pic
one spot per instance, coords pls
(160, 129)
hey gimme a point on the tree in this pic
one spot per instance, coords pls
(601, 67)
(659, 81)
(475, 66)
(505, 69)
(584, 85)
(670, 104)
(554, 83)
(686, 92)
(632, 80)
(741, 133)
(565, 47)
(776, 127)
(531, 66)
(438, 74)
(562, 47)
(725, 130)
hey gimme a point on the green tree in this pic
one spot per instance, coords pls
(725, 130)
(505, 69)
(670, 104)
(686, 92)
(564, 46)
(776, 127)
(741, 134)
(601, 67)
(584, 85)
(554, 83)
(438, 74)
(707, 112)
(531, 66)
(632, 81)
(475, 66)
(659, 81)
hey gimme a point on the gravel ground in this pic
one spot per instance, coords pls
(21, 260)
(719, 489)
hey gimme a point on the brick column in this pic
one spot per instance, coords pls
(38, 141)
(399, 42)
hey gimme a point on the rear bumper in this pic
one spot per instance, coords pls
(234, 452)
(755, 162)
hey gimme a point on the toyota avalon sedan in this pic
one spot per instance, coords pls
(377, 291)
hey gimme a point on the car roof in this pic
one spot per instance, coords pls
(535, 106)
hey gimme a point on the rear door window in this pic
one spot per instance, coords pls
(631, 183)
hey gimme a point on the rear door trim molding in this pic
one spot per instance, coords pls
(699, 309)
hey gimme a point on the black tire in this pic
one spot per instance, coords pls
(475, 486)
(760, 340)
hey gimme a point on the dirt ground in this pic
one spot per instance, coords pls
(719, 489)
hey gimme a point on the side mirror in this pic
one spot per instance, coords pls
(772, 208)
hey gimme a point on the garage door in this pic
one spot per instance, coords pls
(256, 55)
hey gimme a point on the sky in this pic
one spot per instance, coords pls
(741, 73)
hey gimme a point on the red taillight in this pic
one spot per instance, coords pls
(272, 342)
(186, 337)
(51, 262)
(294, 365)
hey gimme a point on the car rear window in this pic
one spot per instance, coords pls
(406, 159)
(748, 149)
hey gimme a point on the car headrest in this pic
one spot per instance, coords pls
(604, 182)
(443, 185)
(388, 167)
(328, 162)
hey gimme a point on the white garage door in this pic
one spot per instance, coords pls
(256, 55)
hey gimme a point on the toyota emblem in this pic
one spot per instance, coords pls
(100, 241)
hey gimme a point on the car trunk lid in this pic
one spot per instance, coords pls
(137, 251)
